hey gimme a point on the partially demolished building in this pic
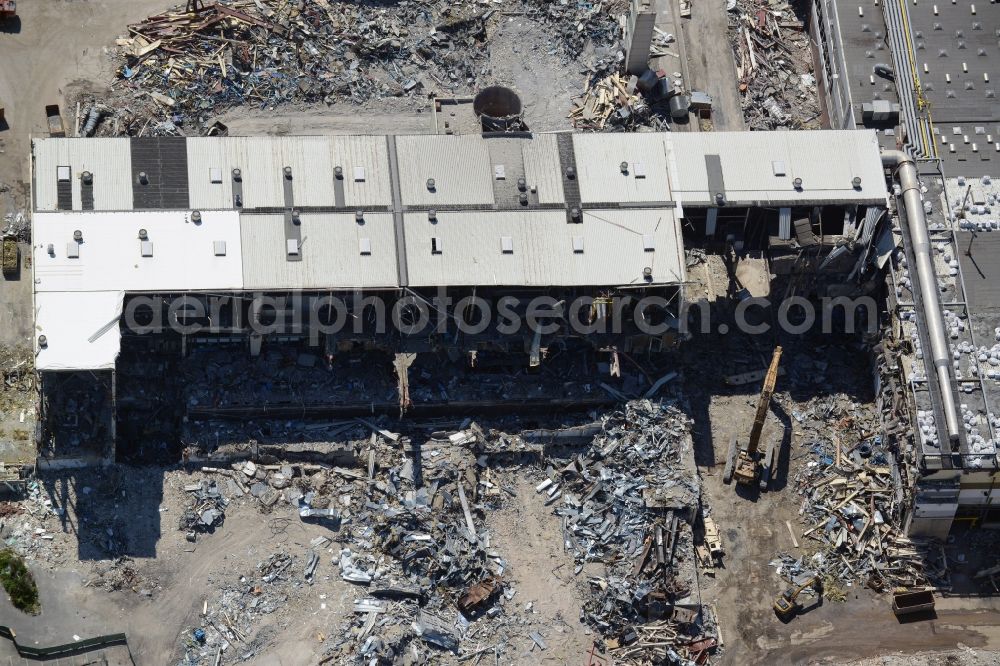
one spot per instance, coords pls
(346, 243)
(923, 74)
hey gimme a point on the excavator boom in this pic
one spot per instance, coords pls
(762, 404)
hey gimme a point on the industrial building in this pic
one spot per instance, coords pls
(125, 229)
(924, 74)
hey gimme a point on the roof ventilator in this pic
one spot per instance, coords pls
(624, 168)
(288, 172)
(87, 178)
(196, 216)
(359, 216)
(143, 234)
(296, 217)
(338, 173)
(78, 236)
(797, 184)
(431, 185)
(237, 175)
(143, 178)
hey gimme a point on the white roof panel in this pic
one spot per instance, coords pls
(599, 159)
(81, 330)
(759, 168)
(110, 256)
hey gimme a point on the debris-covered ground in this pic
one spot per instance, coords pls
(17, 406)
(774, 64)
(397, 553)
(174, 72)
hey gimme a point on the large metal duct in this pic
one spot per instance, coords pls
(905, 170)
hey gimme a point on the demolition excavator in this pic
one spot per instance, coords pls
(745, 462)
(786, 604)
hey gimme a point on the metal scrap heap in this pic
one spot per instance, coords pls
(852, 504)
(628, 503)
(177, 69)
(773, 64)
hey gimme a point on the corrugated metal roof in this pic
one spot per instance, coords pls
(598, 162)
(330, 250)
(109, 160)
(459, 164)
(542, 169)
(370, 153)
(760, 167)
(110, 258)
(471, 248)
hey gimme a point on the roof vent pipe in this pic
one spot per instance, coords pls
(912, 215)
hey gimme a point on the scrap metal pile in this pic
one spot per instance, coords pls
(207, 509)
(773, 64)
(852, 505)
(628, 503)
(177, 69)
(430, 581)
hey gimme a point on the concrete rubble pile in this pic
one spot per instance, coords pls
(176, 70)
(852, 507)
(628, 503)
(773, 58)
(28, 523)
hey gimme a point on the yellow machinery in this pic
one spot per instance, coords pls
(746, 466)
(786, 604)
